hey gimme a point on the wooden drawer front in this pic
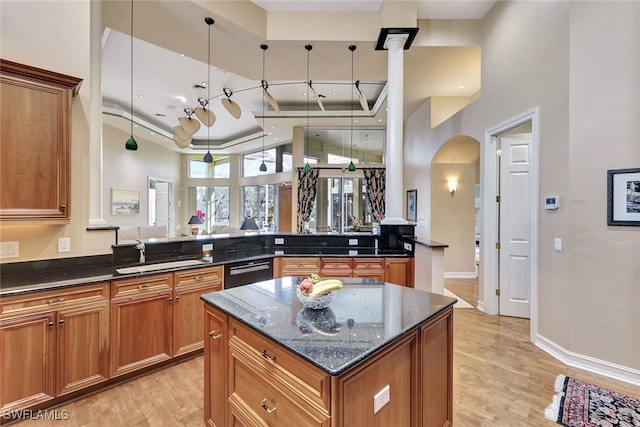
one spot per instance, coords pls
(139, 285)
(301, 379)
(201, 275)
(300, 266)
(368, 263)
(53, 299)
(255, 396)
(337, 263)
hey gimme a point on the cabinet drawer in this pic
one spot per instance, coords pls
(368, 263)
(337, 263)
(301, 264)
(139, 285)
(299, 378)
(255, 396)
(53, 299)
(201, 275)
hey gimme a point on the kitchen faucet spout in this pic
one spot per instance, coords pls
(140, 246)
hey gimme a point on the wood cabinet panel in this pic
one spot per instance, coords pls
(399, 271)
(82, 347)
(300, 266)
(188, 311)
(140, 331)
(215, 368)
(372, 268)
(211, 275)
(36, 119)
(141, 285)
(28, 349)
(336, 267)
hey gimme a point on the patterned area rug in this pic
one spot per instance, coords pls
(581, 404)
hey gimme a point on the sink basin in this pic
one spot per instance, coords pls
(161, 266)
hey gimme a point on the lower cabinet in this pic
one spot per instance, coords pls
(252, 381)
(52, 343)
(399, 271)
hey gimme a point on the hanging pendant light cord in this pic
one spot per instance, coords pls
(308, 47)
(352, 48)
(131, 53)
(263, 129)
(208, 81)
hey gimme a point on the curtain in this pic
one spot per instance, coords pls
(375, 178)
(307, 186)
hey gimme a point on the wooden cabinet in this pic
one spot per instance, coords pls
(372, 268)
(299, 266)
(141, 321)
(52, 343)
(188, 307)
(35, 154)
(399, 271)
(336, 267)
(253, 381)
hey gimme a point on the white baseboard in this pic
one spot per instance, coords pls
(460, 275)
(601, 367)
(480, 306)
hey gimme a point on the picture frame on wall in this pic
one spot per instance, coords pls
(623, 197)
(412, 205)
(125, 202)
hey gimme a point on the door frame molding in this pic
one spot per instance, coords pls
(488, 284)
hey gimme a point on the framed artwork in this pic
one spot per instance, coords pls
(412, 202)
(623, 197)
(124, 202)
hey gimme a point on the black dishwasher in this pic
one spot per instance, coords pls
(245, 272)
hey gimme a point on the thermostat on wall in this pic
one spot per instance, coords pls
(552, 202)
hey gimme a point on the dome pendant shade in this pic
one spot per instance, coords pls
(190, 125)
(208, 158)
(182, 143)
(181, 133)
(352, 167)
(131, 144)
(307, 168)
(205, 115)
(232, 107)
(263, 167)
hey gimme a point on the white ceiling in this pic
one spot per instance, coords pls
(164, 77)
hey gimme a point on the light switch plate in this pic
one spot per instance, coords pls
(557, 244)
(64, 244)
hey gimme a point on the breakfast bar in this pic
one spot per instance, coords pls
(380, 354)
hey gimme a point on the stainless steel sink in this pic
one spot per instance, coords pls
(160, 266)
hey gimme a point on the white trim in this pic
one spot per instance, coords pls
(488, 217)
(597, 366)
(480, 306)
(460, 275)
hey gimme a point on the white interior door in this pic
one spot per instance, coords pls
(160, 209)
(515, 189)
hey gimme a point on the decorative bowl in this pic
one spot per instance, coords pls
(315, 303)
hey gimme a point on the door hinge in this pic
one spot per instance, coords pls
(497, 199)
(497, 292)
(497, 245)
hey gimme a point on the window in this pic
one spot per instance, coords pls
(259, 202)
(251, 163)
(342, 205)
(214, 202)
(218, 169)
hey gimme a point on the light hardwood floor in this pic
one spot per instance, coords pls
(500, 380)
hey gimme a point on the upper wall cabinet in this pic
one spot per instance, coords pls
(35, 144)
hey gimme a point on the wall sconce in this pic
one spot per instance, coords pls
(453, 185)
(194, 221)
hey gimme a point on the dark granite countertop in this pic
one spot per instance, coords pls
(429, 243)
(365, 316)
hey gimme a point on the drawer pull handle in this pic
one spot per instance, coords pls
(55, 300)
(146, 285)
(198, 277)
(266, 408)
(266, 356)
(50, 324)
(368, 264)
(301, 264)
(215, 336)
(61, 322)
(335, 264)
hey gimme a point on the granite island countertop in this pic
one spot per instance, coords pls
(365, 316)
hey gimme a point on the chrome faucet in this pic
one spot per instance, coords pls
(140, 247)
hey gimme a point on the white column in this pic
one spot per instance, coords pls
(394, 199)
(95, 117)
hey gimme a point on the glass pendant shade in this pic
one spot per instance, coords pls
(232, 107)
(131, 144)
(190, 125)
(307, 168)
(181, 133)
(263, 166)
(352, 167)
(208, 158)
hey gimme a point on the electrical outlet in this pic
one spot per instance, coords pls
(557, 244)
(381, 398)
(9, 250)
(64, 244)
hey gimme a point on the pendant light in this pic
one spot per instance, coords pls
(208, 158)
(352, 167)
(264, 47)
(131, 143)
(307, 166)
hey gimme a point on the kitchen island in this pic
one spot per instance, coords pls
(378, 355)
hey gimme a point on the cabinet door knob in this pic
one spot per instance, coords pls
(170, 299)
(61, 322)
(177, 298)
(215, 336)
(63, 207)
(266, 356)
(50, 324)
(265, 407)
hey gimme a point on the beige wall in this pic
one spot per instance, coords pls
(579, 63)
